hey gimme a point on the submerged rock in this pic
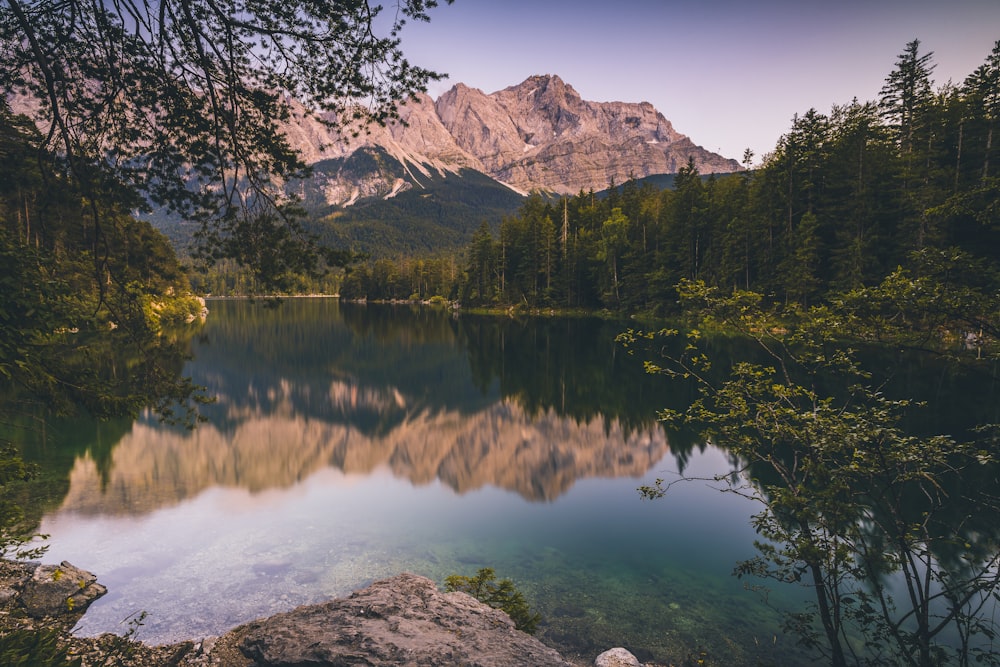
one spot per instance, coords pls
(403, 620)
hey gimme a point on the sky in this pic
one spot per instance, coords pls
(729, 74)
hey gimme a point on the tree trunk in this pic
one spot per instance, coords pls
(958, 158)
(837, 658)
(989, 147)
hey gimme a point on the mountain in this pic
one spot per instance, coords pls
(537, 135)
(427, 181)
(540, 134)
(398, 210)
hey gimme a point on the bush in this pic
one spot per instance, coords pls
(34, 648)
(500, 595)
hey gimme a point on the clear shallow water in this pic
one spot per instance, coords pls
(348, 445)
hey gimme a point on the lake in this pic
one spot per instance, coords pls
(350, 442)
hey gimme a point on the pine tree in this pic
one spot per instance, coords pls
(906, 104)
(907, 96)
(982, 89)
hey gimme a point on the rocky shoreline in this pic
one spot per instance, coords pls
(403, 620)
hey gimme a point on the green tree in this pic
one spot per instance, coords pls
(614, 238)
(808, 144)
(740, 243)
(528, 253)
(481, 272)
(851, 502)
(801, 269)
(857, 183)
(906, 103)
(983, 90)
(181, 103)
(686, 227)
(907, 95)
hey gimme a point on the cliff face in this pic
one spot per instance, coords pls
(542, 134)
(537, 135)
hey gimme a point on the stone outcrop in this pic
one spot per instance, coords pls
(404, 620)
(56, 590)
(616, 657)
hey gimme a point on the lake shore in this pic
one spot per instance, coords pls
(403, 618)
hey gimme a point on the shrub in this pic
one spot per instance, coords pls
(34, 648)
(500, 595)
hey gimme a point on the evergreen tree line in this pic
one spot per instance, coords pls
(98, 248)
(408, 279)
(842, 201)
(83, 285)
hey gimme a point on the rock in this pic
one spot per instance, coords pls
(542, 134)
(13, 576)
(54, 590)
(403, 620)
(7, 594)
(616, 657)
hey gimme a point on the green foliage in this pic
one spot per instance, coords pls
(15, 536)
(182, 107)
(44, 648)
(500, 595)
(851, 501)
(34, 648)
(845, 201)
(84, 317)
(385, 280)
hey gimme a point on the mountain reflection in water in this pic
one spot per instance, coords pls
(349, 443)
(537, 457)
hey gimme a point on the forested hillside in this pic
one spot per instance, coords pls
(83, 283)
(438, 215)
(911, 180)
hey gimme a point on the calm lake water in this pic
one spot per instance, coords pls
(349, 443)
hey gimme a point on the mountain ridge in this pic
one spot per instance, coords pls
(425, 182)
(538, 135)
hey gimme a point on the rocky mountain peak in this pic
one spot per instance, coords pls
(539, 134)
(547, 89)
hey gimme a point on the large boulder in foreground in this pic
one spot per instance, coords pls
(403, 620)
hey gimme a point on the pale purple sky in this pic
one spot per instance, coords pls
(730, 74)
